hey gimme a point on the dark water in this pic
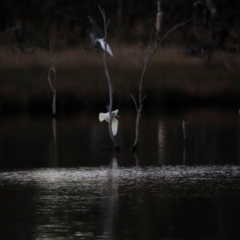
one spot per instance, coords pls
(61, 180)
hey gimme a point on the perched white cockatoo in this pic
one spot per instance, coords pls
(97, 36)
(103, 44)
(106, 117)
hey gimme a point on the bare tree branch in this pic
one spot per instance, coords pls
(109, 107)
(150, 41)
(166, 34)
(146, 59)
(52, 70)
(9, 31)
(134, 100)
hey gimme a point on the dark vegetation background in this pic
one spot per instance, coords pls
(197, 64)
(66, 20)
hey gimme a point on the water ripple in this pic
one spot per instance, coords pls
(165, 178)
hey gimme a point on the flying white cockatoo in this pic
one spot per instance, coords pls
(106, 117)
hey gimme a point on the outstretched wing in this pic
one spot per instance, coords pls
(95, 28)
(114, 126)
(104, 116)
(101, 117)
(93, 38)
(108, 49)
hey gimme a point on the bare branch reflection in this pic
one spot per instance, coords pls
(53, 146)
(161, 142)
(184, 141)
(110, 199)
(136, 159)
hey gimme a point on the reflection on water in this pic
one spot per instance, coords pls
(53, 146)
(184, 141)
(170, 202)
(59, 179)
(161, 141)
(110, 202)
(213, 137)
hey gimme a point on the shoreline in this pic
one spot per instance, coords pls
(172, 80)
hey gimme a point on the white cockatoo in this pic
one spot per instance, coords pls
(106, 117)
(102, 42)
(103, 45)
(97, 36)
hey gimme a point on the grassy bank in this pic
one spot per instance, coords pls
(172, 80)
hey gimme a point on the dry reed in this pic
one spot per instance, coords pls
(81, 79)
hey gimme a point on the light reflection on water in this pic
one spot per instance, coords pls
(113, 203)
(178, 176)
(213, 137)
(58, 178)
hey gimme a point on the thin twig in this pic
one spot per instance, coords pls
(134, 100)
(166, 34)
(9, 31)
(150, 41)
(107, 23)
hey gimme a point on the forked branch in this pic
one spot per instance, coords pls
(147, 56)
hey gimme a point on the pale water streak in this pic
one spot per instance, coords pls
(90, 203)
(31, 142)
(92, 178)
(60, 179)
